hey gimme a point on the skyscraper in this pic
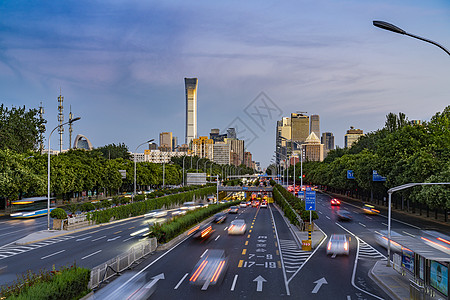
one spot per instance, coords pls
(315, 124)
(352, 136)
(299, 128)
(283, 130)
(191, 108)
(328, 141)
(165, 141)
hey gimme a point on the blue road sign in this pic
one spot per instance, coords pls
(310, 199)
(377, 177)
(245, 188)
(350, 174)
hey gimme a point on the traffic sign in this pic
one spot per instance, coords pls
(310, 199)
(350, 174)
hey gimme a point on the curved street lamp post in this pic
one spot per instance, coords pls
(134, 156)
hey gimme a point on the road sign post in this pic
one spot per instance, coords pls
(310, 204)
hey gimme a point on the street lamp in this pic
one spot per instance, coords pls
(183, 166)
(48, 167)
(390, 27)
(134, 156)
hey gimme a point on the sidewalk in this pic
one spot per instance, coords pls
(391, 281)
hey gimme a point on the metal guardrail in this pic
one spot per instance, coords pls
(120, 263)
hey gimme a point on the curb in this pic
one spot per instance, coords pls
(381, 284)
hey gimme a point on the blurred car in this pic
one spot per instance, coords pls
(263, 204)
(249, 203)
(335, 201)
(370, 209)
(255, 203)
(210, 269)
(382, 240)
(189, 206)
(243, 204)
(220, 218)
(156, 213)
(201, 231)
(233, 210)
(237, 226)
(338, 244)
(344, 215)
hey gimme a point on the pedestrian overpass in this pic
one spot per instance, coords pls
(251, 189)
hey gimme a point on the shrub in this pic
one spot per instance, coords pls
(88, 206)
(58, 213)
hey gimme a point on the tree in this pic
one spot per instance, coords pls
(20, 129)
(113, 151)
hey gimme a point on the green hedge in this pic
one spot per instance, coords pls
(295, 203)
(68, 283)
(142, 207)
(287, 209)
(178, 225)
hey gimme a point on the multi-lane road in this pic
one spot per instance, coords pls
(266, 262)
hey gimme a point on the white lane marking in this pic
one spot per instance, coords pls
(225, 228)
(362, 224)
(234, 282)
(320, 212)
(384, 224)
(328, 217)
(408, 233)
(179, 283)
(204, 253)
(102, 237)
(217, 237)
(44, 257)
(349, 298)
(128, 239)
(92, 254)
(369, 218)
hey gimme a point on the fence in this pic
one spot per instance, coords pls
(120, 262)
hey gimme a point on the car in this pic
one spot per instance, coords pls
(255, 203)
(156, 213)
(263, 204)
(189, 206)
(335, 201)
(370, 209)
(233, 210)
(210, 269)
(220, 217)
(237, 226)
(201, 231)
(338, 244)
(249, 203)
(344, 215)
(243, 204)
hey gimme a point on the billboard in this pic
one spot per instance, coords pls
(439, 277)
(195, 178)
(408, 259)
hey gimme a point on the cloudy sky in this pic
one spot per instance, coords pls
(121, 64)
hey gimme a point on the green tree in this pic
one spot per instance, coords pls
(113, 151)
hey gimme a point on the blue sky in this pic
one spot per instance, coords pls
(121, 64)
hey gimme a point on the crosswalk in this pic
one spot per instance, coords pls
(13, 249)
(368, 252)
(293, 256)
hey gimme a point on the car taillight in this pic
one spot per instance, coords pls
(329, 245)
(231, 228)
(242, 227)
(346, 246)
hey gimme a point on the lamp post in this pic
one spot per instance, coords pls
(197, 164)
(183, 166)
(390, 27)
(48, 168)
(134, 156)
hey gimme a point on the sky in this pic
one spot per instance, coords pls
(120, 65)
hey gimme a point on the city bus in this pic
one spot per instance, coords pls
(30, 207)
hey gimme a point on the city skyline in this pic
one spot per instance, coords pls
(122, 71)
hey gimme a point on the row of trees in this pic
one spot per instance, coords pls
(401, 152)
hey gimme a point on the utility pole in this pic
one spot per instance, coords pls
(41, 129)
(61, 120)
(70, 128)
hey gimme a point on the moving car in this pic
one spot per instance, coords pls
(344, 215)
(338, 244)
(335, 201)
(263, 204)
(220, 217)
(210, 269)
(233, 210)
(255, 203)
(370, 209)
(201, 232)
(156, 213)
(243, 204)
(237, 226)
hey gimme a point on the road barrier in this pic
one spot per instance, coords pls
(120, 263)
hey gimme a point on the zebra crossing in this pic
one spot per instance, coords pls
(365, 251)
(293, 256)
(13, 249)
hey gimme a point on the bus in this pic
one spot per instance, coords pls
(30, 207)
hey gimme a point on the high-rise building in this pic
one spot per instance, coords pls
(231, 133)
(165, 141)
(191, 108)
(237, 147)
(222, 153)
(152, 146)
(174, 143)
(352, 136)
(216, 136)
(313, 148)
(299, 128)
(283, 134)
(248, 160)
(328, 142)
(315, 124)
(203, 147)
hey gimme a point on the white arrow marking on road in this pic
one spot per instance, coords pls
(85, 238)
(155, 279)
(259, 283)
(319, 284)
(113, 239)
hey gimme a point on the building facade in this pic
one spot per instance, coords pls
(299, 128)
(248, 162)
(221, 153)
(352, 136)
(237, 147)
(157, 156)
(313, 148)
(165, 141)
(203, 147)
(327, 140)
(191, 85)
(315, 124)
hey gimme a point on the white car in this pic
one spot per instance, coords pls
(243, 204)
(338, 244)
(263, 204)
(237, 226)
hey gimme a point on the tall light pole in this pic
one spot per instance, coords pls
(183, 167)
(390, 27)
(134, 158)
(48, 168)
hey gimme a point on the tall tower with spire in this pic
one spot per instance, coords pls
(70, 127)
(61, 120)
